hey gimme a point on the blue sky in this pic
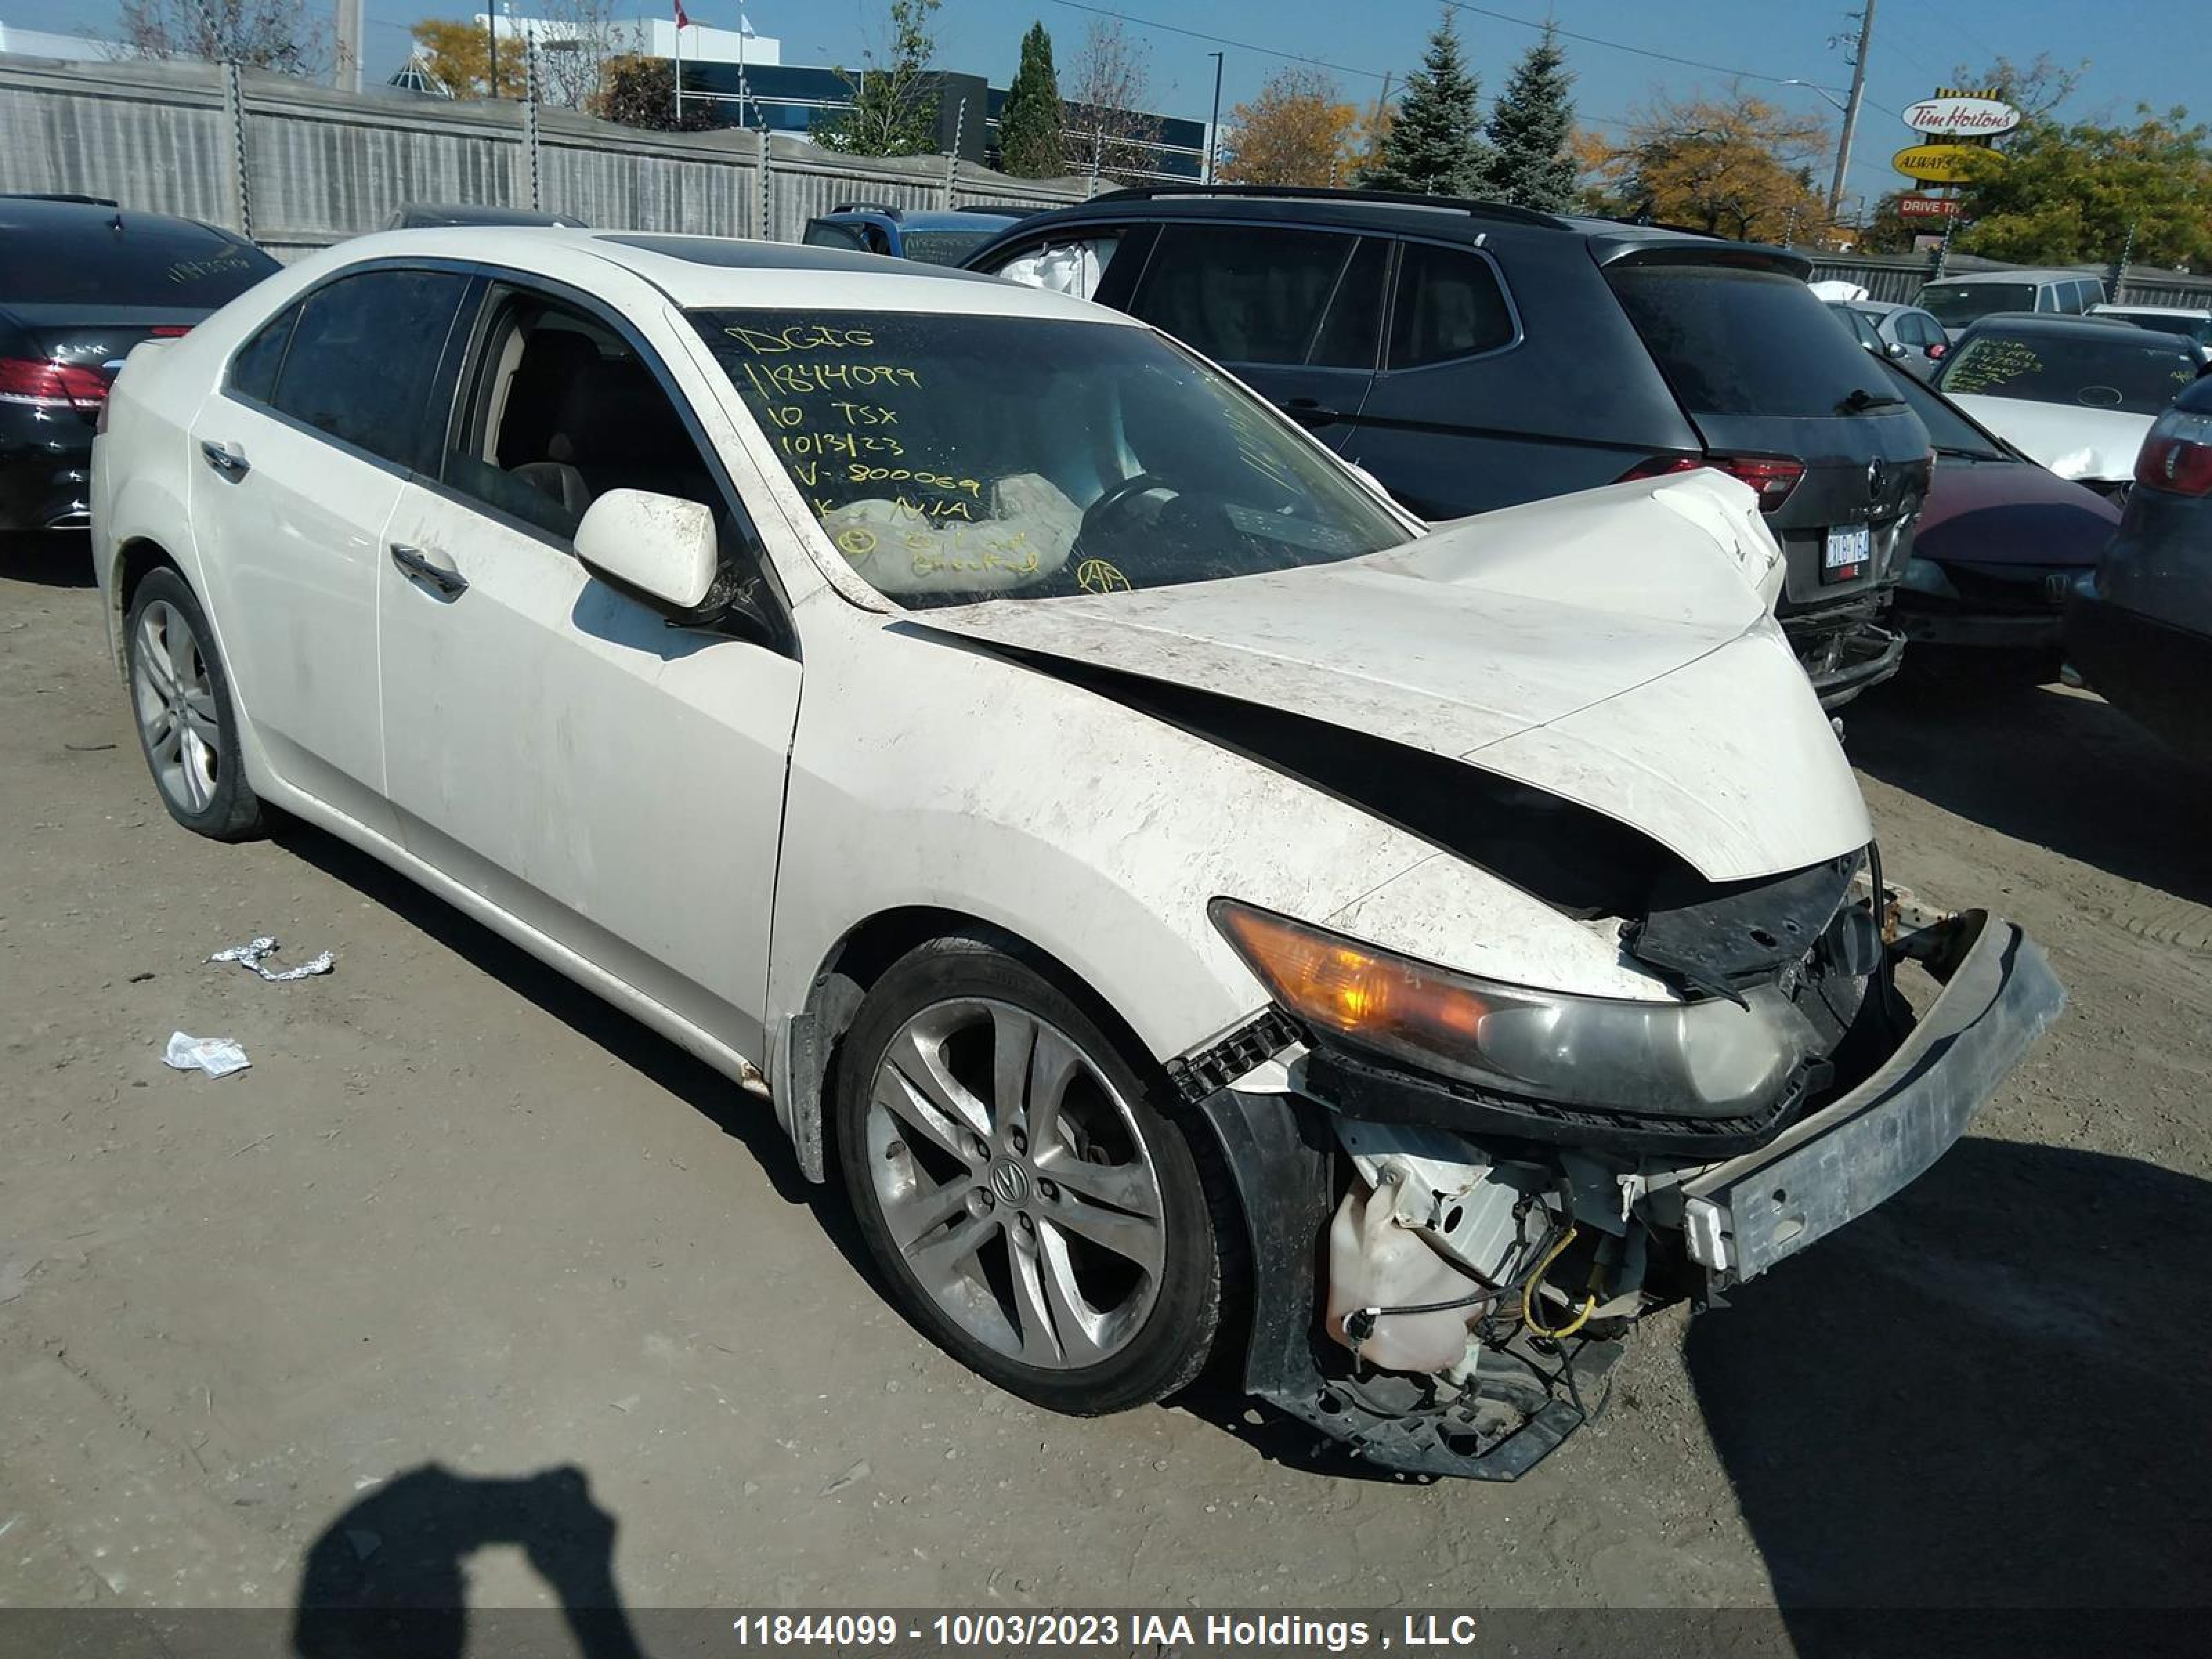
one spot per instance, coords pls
(2138, 52)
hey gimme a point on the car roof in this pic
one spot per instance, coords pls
(432, 214)
(2048, 274)
(924, 219)
(701, 272)
(2083, 327)
(1885, 308)
(1450, 217)
(47, 217)
(2123, 309)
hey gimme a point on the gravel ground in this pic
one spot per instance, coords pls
(459, 1225)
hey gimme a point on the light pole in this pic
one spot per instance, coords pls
(1850, 114)
(1213, 127)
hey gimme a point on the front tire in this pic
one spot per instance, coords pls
(181, 703)
(1031, 1210)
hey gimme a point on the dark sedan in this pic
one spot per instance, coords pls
(81, 282)
(2002, 543)
(2141, 631)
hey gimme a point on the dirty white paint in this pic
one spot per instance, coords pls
(663, 545)
(689, 823)
(2073, 441)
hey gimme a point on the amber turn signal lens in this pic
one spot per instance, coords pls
(1335, 983)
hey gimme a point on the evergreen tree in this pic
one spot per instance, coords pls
(1030, 124)
(1530, 127)
(1435, 144)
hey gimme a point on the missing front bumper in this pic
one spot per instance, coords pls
(1742, 1217)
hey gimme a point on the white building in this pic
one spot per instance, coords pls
(651, 36)
(70, 48)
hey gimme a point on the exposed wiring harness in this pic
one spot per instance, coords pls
(1534, 1282)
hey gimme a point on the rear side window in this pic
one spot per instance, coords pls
(1450, 304)
(362, 356)
(1353, 328)
(820, 232)
(154, 262)
(254, 370)
(1241, 295)
(1734, 342)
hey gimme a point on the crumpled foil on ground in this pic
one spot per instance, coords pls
(254, 952)
(217, 1057)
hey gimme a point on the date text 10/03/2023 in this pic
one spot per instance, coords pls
(1254, 1632)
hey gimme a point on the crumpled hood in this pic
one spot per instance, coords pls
(2072, 441)
(1614, 648)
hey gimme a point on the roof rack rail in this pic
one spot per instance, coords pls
(1501, 210)
(866, 206)
(59, 196)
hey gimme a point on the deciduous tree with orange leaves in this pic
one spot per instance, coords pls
(1296, 131)
(1736, 166)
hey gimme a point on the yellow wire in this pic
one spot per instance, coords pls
(1528, 1293)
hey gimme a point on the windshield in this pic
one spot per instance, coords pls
(952, 459)
(1955, 304)
(2141, 373)
(944, 248)
(1948, 428)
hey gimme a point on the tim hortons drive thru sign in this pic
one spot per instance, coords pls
(1952, 114)
(1926, 207)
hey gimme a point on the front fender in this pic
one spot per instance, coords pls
(928, 773)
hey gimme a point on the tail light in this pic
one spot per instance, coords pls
(169, 330)
(2176, 455)
(1773, 476)
(1936, 353)
(51, 385)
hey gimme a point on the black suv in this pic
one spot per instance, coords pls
(1473, 356)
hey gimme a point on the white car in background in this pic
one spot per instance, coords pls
(2076, 394)
(1131, 855)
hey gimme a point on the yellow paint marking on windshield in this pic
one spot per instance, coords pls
(1096, 576)
(798, 337)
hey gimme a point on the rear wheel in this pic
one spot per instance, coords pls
(1032, 1211)
(187, 725)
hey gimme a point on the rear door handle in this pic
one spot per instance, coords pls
(432, 567)
(1309, 411)
(228, 459)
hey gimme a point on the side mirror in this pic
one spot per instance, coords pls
(659, 549)
(1893, 350)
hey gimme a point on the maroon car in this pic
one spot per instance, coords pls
(2001, 543)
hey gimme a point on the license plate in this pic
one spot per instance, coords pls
(1850, 546)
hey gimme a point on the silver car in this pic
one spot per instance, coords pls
(1904, 334)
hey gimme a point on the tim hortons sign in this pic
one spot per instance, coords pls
(1962, 115)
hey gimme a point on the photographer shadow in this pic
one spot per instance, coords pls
(1985, 1397)
(389, 1576)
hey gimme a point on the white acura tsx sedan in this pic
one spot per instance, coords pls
(1156, 875)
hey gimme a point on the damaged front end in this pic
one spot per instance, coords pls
(1461, 1197)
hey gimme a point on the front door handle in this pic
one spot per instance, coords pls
(228, 459)
(432, 567)
(1309, 411)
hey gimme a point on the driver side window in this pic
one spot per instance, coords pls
(562, 409)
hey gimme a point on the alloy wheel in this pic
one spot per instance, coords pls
(176, 705)
(1014, 1182)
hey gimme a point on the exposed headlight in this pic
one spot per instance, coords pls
(1707, 1058)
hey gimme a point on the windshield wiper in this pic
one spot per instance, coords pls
(1860, 400)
